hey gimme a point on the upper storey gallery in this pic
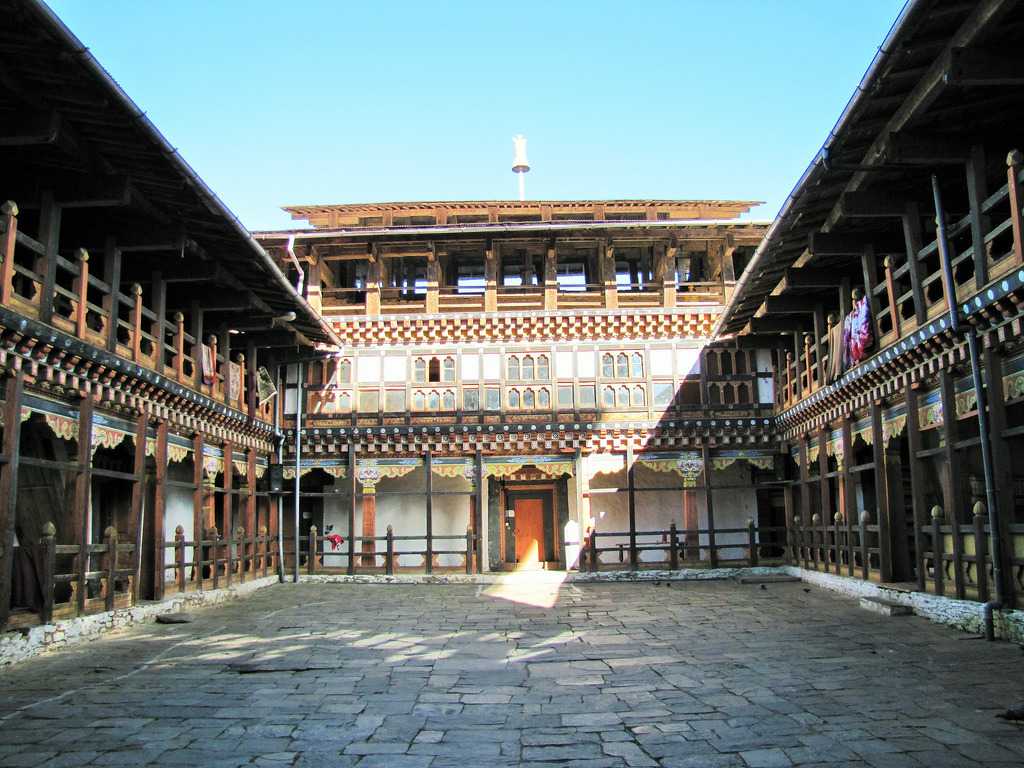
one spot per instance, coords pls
(393, 259)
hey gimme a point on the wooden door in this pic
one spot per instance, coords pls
(529, 532)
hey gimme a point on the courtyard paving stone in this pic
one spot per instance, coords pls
(596, 675)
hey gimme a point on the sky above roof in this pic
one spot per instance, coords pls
(316, 101)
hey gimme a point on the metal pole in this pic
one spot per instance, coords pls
(300, 369)
(995, 534)
(279, 500)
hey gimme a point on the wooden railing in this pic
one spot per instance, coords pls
(381, 554)
(215, 561)
(906, 292)
(97, 311)
(835, 547)
(683, 548)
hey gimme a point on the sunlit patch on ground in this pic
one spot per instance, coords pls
(528, 587)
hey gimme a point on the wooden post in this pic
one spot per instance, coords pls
(631, 502)
(353, 501)
(9, 214)
(478, 512)
(469, 549)
(198, 524)
(228, 506)
(865, 555)
(912, 239)
(431, 303)
(46, 265)
(374, 281)
(980, 224)
(1002, 459)
(673, 547)
(239, 541)
(981, 551)
(160, 324)
(159, 508)
(1014, 159)
(938, 553)
(48, 563)
(592, 547)
(13, 387)
(136, 323)
(179, 348)
(709, 500)
(848, 491)
(251, 514)
(83, 491)
(837, 519)
(311, 551)
(214, 538)
(805, 494)
(429, 513)
(265, 554)
(112, 301)
(550, 277)
(751, 543)
(606, 254)
(917, 482)
(110, 542)
(890, 291)
(883, 502)
(389, 564)
(817, 542)
(179, 557)
(81, 290)
(953, 480)
(490, 277)
(137, 507)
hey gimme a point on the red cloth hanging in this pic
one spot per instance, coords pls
(335, 539)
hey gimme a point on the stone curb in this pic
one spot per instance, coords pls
(16, 646)
(965, 615)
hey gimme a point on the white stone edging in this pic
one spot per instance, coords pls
(965, 615)
(18, 645)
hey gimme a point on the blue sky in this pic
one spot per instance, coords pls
(321, 101)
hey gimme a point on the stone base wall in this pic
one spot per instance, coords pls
(965, 615)
(18, 645)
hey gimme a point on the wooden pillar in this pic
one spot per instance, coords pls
(920, 512)
(883, 502)
(433, 283)
(709, 500)
(1002, 461)
(478, 512)
(369, 526)
(13, 387)
(550, 277)
(313, 283)
(728, 269)
(160, 326)
(490, 278)
(691, 525)
(46, 264)
(798, 364)
(374, 281)
(429, 493)
(1014, 159)
(81, 291)
(668, 275)
(251, 512)
(848, 492)
(9, 213)
(980, 223)
(608, 279)
(820, 345)
(228, 505)
(953, 480)
(805, 488)
(83, 495)
(196, 321)
(112, 301)
(824, 489)
(252, 401)
(198, 495)
(159, 509)
(137, 505)
(912, 239)
(353, 502)
(631, 502)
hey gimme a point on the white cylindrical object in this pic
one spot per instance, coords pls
(519, 163)
(522, 186)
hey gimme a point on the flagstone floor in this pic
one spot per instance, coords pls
(692, 674)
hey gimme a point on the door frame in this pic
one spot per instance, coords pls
(545, 493)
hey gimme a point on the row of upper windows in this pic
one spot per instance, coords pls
(518, 367)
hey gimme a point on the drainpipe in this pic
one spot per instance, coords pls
(290, 250)
(995, 534)
(299, 376)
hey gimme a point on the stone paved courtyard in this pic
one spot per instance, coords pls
(696, 674)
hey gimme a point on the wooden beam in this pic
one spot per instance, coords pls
(782, 324)
(871, 205)
(840, 244)
(762, 341)
(814, 277)
(788, 305)
(983, 67)
(917, 148)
